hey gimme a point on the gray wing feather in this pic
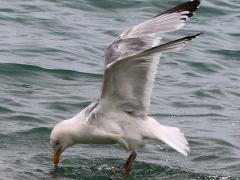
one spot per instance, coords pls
(125, 47)
(128, 82)
(144, 35)
(131, 60)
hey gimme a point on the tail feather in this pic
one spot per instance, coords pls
(169, 135)
(174, 138)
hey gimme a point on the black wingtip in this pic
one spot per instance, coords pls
(189, 6)
(182, 40)
(196, 34)
(187, 38)
(190, 37)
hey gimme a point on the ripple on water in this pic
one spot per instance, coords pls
(103, 170)
(5, 110)
(227, 54)
(25, 69)
(51, 67)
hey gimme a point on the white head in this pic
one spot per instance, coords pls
(61, 138)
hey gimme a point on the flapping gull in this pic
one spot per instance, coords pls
(120, 114)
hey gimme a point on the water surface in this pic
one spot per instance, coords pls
(51, 67)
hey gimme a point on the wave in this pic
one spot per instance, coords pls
(5, 110)
(109, 169)
(26, 69)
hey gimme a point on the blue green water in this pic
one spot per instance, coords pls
(51, 67)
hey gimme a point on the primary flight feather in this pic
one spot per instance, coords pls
(120, 113)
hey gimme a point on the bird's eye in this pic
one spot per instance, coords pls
(57, 143)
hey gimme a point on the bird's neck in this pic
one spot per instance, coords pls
(77, 131)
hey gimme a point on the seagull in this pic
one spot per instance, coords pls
(119, 115)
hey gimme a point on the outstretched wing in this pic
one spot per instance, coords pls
(131, 60)
(144, 36)
(128, 82)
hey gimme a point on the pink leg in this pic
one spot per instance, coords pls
(129, 163)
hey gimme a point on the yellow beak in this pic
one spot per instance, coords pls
(56, 157)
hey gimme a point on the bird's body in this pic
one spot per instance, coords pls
(120, 114)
